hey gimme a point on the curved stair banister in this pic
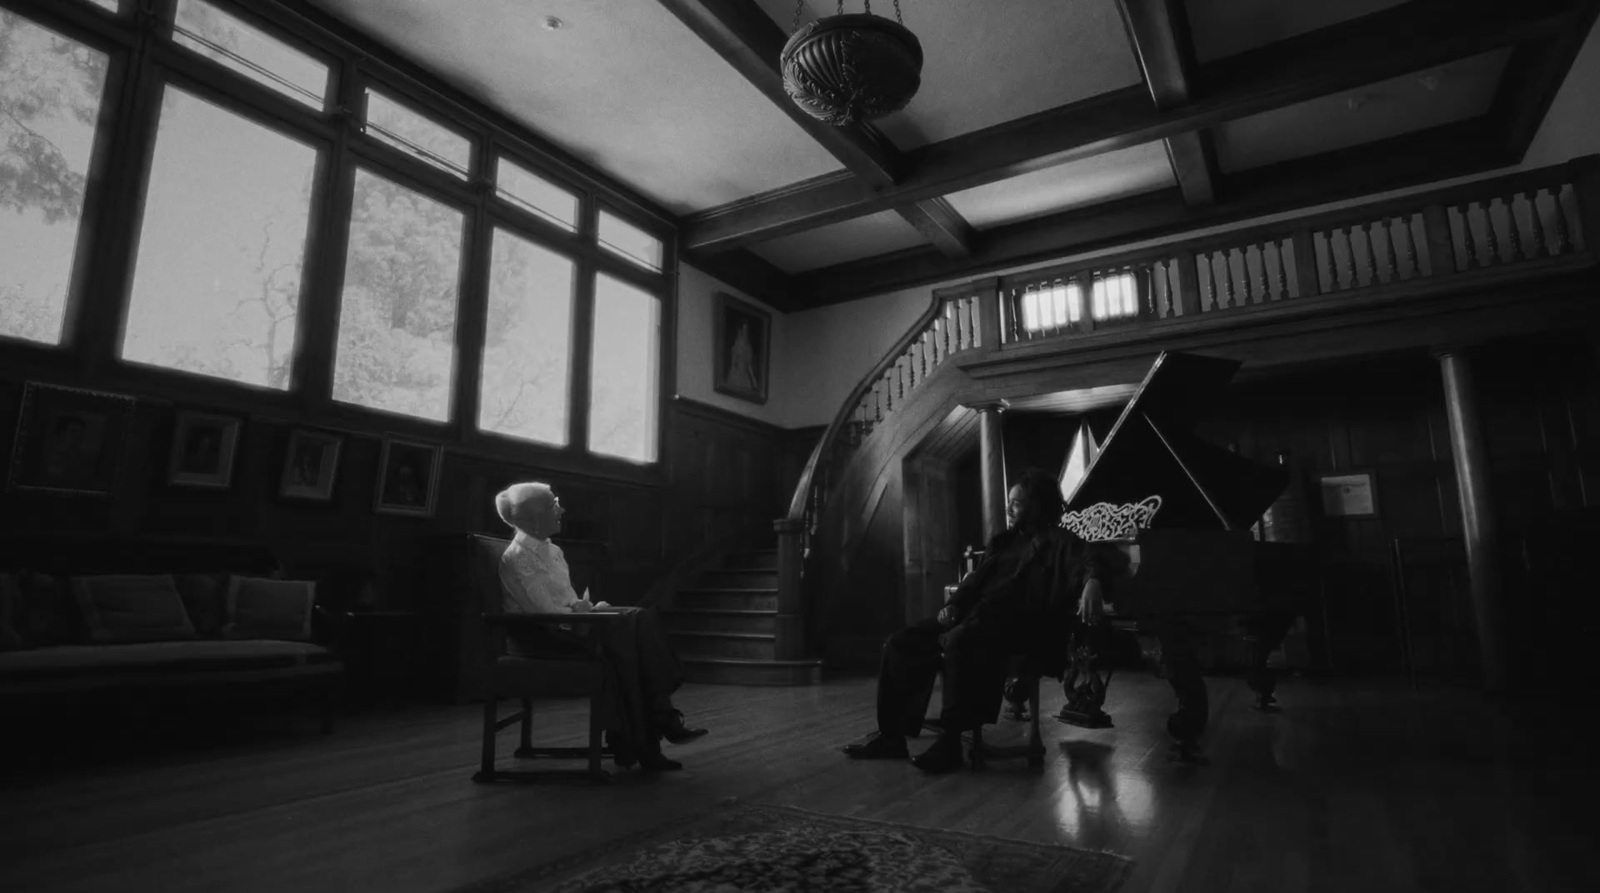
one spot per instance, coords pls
(957, 321)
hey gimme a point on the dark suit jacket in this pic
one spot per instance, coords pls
(1024, 593)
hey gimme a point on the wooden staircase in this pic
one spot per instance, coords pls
(725, 625)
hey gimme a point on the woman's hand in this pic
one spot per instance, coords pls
(947, 615)
(581, 607)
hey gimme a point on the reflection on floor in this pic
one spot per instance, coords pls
(1354, 787)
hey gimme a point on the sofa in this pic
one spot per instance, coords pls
(87, 619)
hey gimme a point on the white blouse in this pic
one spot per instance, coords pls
(534, 575)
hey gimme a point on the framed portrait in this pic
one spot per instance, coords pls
(203, 447)
(310, 465)
(408, 478)
(68, 440)
(741, 349)
(1348, 495)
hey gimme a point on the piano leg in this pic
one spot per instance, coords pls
(1181, 664)
(1265, 632)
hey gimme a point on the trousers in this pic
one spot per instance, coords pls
(974, 664)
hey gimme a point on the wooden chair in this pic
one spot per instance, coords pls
(557, 655)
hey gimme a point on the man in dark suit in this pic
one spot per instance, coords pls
(1035, 582)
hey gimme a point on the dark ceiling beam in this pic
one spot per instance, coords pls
(1394, 42)
(747, 38)
(1532, 77)
(751, 274)
(1438, 153)
(1159, 32)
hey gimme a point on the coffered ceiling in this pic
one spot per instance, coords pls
(1042, 126)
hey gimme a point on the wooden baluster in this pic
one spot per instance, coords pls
(929, 361)
(967, 341)
(1266, 287)
(1488, 225)
(1372, 245)
(1474, 261)
(913, 364)
(1563, 237)
(1227, 278)
(1350, 257)
(1211, 279)
(1513, 234)
(1538, 223)
(1333, 271)
(1280, 282)
(1409, 240)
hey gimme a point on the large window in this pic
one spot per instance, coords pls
(397, 314)
(216, 287)
(50, 92)
(623, 371)
(272, 217)
(527, 343)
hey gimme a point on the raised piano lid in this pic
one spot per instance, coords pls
(1152, 451)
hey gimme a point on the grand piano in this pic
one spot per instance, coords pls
(1181, 511)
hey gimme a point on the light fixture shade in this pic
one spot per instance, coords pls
(848, 68)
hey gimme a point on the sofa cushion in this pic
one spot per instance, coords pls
(205, 598)
(131, 608)
(260, 608)
(11, 608)
(126, 662)
(50, 614)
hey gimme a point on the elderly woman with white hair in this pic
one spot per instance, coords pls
(535, 578)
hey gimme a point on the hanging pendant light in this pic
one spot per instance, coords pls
(848, 68)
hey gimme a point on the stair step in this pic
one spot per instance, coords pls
(745, 646)
(726, 599)
(758, 559)
(733, 671)
(742, 578)
(721, 620)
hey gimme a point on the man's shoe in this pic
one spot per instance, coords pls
(673, 729)
(944, 756)
(878, 747)
(655, 762)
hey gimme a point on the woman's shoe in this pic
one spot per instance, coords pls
(878, 747)
(673, 729)
(944, 756)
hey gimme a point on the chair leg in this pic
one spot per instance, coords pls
(1035, 741)
(486, 768)
(595, 738)
(525, 739)
(976, 754)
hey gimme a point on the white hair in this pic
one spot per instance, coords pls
(513, 502)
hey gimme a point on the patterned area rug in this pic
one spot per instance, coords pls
(750, 847)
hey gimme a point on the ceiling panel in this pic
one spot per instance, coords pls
(1453, 92)
(625, 86)
(1075, 184)
(1227, 27)
(989, 61)
(841, 242)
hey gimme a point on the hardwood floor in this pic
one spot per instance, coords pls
(1355, 787)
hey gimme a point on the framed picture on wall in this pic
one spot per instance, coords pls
(68, 440)
(1348, 495)
(310, 465)
(203, 447)
(741, 349)
(408, 478)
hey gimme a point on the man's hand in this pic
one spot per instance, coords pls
(581, 607)
(1091, 605)
(948, 615)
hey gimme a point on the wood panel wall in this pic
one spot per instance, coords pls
(721, 470)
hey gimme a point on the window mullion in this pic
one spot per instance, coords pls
(583, 336)
(472, 311)
(329, 238)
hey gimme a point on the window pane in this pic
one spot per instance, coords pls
(531, 191)
(630, 241)
(624, 371)
(526, 345)
(225, 39)
(216, 286)
(251, 52)
(1115, 296)
(50, 89)
(397, 314)
(393, 123)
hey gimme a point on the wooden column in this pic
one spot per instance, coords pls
(992, 467)
(1470, 451)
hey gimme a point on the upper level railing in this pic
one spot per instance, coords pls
(1516, 219)
(1520, 219)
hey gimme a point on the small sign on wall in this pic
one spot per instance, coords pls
(1348, 495)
